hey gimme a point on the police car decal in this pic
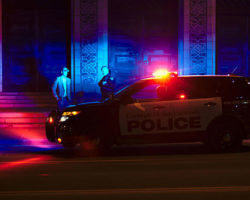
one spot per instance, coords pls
(168, 116)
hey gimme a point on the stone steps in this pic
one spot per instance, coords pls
(25, 109)
(26, 100)
(13, 97)
(23, 119)
(26, 105)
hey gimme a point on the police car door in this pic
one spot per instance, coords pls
(138, 117)
(179, 112)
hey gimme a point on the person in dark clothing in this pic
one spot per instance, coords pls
(107, 83)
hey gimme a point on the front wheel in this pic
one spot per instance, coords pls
(225, 136)
(96, 145)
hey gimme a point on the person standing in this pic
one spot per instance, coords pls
(62, 89)
(107, 83)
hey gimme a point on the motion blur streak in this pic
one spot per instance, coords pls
(13, 164)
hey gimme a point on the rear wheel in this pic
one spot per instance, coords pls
(225, 136)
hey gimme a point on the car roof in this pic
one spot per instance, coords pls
(211, 76)
(161, 81)
(195, 76)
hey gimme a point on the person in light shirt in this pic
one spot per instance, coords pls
(62, 89)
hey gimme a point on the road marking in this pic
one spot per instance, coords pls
(128, 191)
(76, 161)
(94, 161)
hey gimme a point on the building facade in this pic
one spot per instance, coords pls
(132, 37)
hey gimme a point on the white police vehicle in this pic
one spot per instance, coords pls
(211, 109)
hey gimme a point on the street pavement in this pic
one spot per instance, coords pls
(173, 171)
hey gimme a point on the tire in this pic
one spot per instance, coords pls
(96, 146)
(225, 136)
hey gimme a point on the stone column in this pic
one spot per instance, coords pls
(1, 51)
(89, 43)
(75, 46)
(102, 36)
(197, 37)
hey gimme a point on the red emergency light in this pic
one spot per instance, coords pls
(182, 96)
(160, 73)
(163, 73)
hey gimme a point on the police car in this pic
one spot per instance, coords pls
(161, 109)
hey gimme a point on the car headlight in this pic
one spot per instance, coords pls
(71, 113)
(65, 115)
(63, 118)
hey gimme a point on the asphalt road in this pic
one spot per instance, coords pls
(176, 171)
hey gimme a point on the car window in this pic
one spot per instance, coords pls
(190, 88)
(233, 88)
(201, 87)
(173, 89)
(178, 87)
(147, 93)
(170, 91)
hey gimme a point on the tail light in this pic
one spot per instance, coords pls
(51, 120)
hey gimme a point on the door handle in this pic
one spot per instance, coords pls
(210, 104)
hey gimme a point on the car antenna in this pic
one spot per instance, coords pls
(234, 69)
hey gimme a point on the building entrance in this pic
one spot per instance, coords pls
(143, 36)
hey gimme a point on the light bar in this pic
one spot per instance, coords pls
(163, 73)
(160, 73)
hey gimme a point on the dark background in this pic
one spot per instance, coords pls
(233, 36)
(35, 37)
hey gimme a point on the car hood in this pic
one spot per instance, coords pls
(83, 105)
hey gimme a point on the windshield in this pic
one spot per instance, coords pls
(123, 90)
(131, 88)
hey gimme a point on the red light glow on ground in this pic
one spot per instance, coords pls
(28, 136)
(24, 162)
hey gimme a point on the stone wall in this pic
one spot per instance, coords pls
(197, 37)
(196, 42)
(89, 36)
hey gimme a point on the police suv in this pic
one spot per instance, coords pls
(166, 109)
